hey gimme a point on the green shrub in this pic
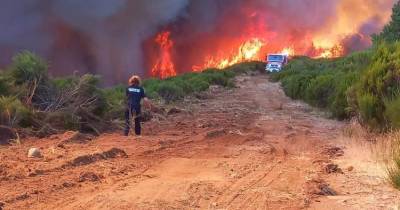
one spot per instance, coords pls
(247, 67)
(5, 86)
(321, 90)
(324, 82)
(13, 112)
(116, 102)
(28, 67)
(296, 85)
(393, 165)
(378, 88)
(62, 83)
(340, 106)
(183, 84)
(392, 112)
(369, 110)
(175, 88)
(217, 77)
(391, 32)
(151, 87)
(169, 91)
(394, 172)
(199, 84)
(29, 74)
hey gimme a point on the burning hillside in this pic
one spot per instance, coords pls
(245, 31)
(116, 38)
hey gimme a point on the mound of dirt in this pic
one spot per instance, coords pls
(88, 159)
(76, 138)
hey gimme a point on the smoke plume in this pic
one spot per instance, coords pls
(115, 38)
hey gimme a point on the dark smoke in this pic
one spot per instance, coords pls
(362, 39)
(113, 38)
(98, 36)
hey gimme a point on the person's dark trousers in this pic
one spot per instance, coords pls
(129, 113)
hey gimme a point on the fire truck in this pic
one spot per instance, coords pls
(276, 62)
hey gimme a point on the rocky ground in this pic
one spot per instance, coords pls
(250, 147)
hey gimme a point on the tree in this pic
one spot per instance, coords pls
(29, 70)
(391, 32)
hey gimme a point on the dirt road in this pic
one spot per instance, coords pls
(246, 148)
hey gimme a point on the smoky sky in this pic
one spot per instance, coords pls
(111, 37)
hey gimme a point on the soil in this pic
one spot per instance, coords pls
(249, 147)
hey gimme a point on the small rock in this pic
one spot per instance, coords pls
(332, 168)
(326, 190)
(34, 153)
(36, 173)
(146, 116)
(174, 110)
(1, 205)
(22, 197)
(351, 168)
(319, 187)
(158, 110)
(68, 184)
(89, 176)
(333, 152)
(216, 133)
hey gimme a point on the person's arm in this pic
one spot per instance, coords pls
(126, 96)
(146, 101)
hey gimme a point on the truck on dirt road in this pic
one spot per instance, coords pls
(275, 62)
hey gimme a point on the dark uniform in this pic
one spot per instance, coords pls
(135, 94)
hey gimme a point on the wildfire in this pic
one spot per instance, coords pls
(248, 50)
(334, 52)
(164, 66)
(289, 51)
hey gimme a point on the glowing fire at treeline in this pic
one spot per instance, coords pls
(251, 30)
(164, 66)
(252, 49)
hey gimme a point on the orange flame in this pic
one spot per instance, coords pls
(289, 51)
(248, 50)
(164, 66)
(334, 52)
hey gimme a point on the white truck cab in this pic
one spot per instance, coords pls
(275, 62)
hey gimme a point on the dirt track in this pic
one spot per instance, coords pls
(246, 148)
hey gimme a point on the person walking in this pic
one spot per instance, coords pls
(135, 94)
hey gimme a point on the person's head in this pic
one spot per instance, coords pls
(134, 80)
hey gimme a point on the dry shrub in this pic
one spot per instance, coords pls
(393, 165)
